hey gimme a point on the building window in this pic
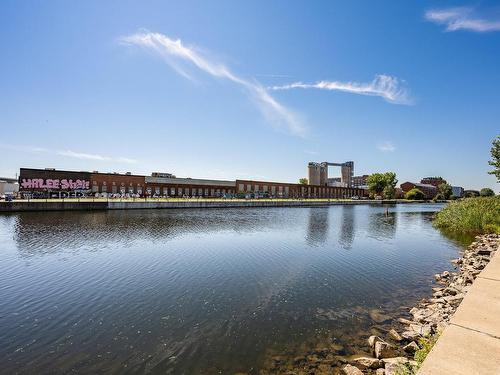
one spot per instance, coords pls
(241, 188)
(264, 188)
(249, 187)
(172, 191)
(179, 190)
(206, 191)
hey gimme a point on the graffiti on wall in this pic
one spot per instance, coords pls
(54, 184)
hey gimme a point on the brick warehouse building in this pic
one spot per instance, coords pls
(430, 191)
(288, 190)
(51, 183)
(116, 183)
(178, 187)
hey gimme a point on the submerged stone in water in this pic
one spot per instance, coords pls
(378, 317)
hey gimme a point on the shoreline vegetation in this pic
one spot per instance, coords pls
(470, 216)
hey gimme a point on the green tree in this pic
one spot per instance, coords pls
(444, 191)
(415, 194)
(389, 192)
(382, 184)
(304, 181)
(495, 158)
(471, 194)
(486, 192)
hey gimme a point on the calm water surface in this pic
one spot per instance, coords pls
(205, 291)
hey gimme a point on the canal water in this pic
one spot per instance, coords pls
(214, 291)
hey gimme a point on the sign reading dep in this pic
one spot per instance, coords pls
(54, 184)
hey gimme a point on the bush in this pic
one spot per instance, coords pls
(445, 191)
(486, 192)
(470, 215)
(415, 194)
(471, 194)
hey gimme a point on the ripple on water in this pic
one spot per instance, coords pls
(206, 291)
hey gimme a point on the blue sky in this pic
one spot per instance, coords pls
(251, 90)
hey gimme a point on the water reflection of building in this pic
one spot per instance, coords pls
(347, 226)
(318, 226)
(40, 233)
(383, 223)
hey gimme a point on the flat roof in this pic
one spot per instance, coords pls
(189, 181)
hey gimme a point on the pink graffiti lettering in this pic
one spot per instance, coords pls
(54, 184)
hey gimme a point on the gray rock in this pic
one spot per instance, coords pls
(384, 350)
(404, 321)
(367, 362)
(422, 330)
(410, 335)
(394, 335)
(351, 370)
(372, 340)
(411, 348)
(393, 366)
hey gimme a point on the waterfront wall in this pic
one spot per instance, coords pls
(42, 205)
(17, 206)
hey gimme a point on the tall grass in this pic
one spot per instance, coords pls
(470, 215)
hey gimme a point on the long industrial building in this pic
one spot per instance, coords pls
(49, 182)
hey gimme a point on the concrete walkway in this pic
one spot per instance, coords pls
(471, 343)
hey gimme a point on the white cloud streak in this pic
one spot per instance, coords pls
(386, 147)
(385, 86)
(461, 19)
(66, 153)
(178, 57)
(85, 156)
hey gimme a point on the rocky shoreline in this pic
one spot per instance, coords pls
(430, 316)
(392, 347)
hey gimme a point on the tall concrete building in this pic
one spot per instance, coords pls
(318, 173)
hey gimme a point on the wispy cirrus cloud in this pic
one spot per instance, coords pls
(66, 153)
(462, 18)
(182, 58)
(384, 86)
(85, 156)
(386, 147)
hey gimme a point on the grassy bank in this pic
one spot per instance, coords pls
(470, 215)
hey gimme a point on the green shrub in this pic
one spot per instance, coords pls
(415, 194)
(486, 192)
(470, 215)
(425, 344)
(471, 194)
